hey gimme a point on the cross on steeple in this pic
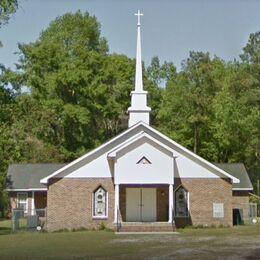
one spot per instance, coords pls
(138, 111)
(139, 14)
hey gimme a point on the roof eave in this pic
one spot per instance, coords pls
(242, 189)
(220, 171)
(29, 189)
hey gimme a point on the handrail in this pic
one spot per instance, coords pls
(172, 215)
(118, 222)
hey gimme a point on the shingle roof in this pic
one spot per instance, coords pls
(238, 170)
(28, 176)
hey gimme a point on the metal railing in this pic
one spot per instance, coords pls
(118, 220)
(28, 220)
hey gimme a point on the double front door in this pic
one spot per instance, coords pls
(140, 204)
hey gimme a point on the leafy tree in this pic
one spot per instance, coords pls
(251, 52)
(70, 73)
(7, 7)
(185, 109)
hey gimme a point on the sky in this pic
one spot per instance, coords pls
(170, 28)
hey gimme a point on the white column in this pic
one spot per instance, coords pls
(33, 204)
(170, 203)
(116, 203)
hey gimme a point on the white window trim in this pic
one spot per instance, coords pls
(93, 205)
(188, 202)
(213, 211)
(17, 203)
(25, 190)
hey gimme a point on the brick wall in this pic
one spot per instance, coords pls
(40, 199)
(240, 200)
(202, 194)
(69, 203)
(13, 200)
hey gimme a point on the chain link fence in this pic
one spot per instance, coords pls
(35, 220)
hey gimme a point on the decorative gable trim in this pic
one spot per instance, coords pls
(143, 160)
(144, 127)
(141, 135)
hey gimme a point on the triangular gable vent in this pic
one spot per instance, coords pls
(143, 160)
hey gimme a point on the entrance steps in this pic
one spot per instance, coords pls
(145, 227)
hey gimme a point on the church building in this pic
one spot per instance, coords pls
(141, 180)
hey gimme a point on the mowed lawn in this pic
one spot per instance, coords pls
(241, 242)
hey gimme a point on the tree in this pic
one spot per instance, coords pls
(68, 71)
(7, 7)
(186, 112)
(251, 52)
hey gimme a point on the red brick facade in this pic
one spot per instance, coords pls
(70, 202)
(240, 200)
(202, 194)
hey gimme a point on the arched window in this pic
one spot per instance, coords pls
(100, 202)
(181, 202)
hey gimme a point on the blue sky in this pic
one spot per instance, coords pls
(170, 28)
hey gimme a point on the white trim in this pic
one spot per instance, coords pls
(234, 179)
(215, 207)
(93, 203)
(113, 153)
(32, 204)
(45, 180)
(223, 173)
(33, 189)
(17, 200)
(171, 203)
(188, 202)
(242, 188)
(116, 203)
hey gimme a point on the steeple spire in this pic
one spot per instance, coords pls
(138, 67)
(138, 111)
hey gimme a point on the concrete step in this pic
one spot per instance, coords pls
(145, 227)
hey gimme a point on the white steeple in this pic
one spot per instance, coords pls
(139, 111)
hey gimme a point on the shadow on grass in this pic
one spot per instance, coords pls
(5, 227)
(5, 231)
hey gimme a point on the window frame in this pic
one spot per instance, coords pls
(94, 204)
(217, 204)
(187, 202)
(26, 200)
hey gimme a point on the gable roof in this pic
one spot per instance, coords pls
(130, 132)
(141, 136)
(28, 176)
(239, 171)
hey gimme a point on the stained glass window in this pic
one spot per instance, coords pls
(181, 202)
(100, 202)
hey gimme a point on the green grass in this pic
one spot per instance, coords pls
(5, 226)
(242, 241)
